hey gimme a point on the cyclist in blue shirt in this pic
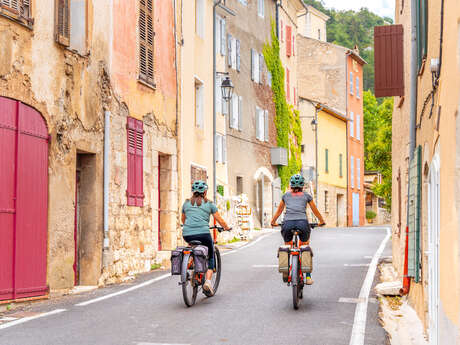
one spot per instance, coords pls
(196, 213)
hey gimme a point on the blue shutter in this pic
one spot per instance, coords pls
(414, 254)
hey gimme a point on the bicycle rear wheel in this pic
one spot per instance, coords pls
(217, 272)
(295, 282)
(189, 286)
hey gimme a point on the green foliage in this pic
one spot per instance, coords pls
(350, 28)
(155, 266)
(234, 239)
(228, 205)
(220, 190)
(377, 142)
(287, 120)
(371, 215)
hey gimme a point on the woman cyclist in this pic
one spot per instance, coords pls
(196, 213)
(296, 201)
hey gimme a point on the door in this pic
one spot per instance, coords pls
(355, 209)
(23, 201)
(433, 251)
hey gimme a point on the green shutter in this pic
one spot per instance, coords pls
(327, 160)
(414, 250)
(422, 30)
(340, 164)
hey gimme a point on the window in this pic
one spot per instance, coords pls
(237, 55)
(70, 21)
(261, 67)
(239, 185)
(352, 172)
(199, 104)
(229, 50)
(261, 8)
(255, 66)
(233, 47)
(302, 148)
(243, 2)
(326, 168)
(358, 172)
(198, 173)
(199, 17)
(221, 148)
(135, 191)
(319, 34)
(220, 36)
(288, 86)
(340, 165)
(357, 87)
(269, 79)
(422, 30)
(262, 125)
(352, 124)
(351, 83)
(218, 91)
(236, 112)
(146, 67)
(18, 9)
(358, 127)
(288, 41)
(326, 201)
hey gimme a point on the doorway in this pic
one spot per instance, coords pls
(433, 250)
(340, 210)
(355, 206)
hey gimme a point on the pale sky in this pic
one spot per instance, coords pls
(384, 8)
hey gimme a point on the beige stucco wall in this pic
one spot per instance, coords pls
(312, 24)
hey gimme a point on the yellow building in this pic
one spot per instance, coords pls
(332, 165)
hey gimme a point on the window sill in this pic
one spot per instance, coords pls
(150, 86)
(27, 23)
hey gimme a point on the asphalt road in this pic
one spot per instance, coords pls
(252, 306)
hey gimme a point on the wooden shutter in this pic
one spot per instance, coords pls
(351, 84)
(352, 171)
(257, 123)
(222, 38)
(261, 67)
(414, 249)
(135, 191)
(358, 173)
(229, 52)
(389, 60)
(327, 160)
(224, 149)
(352, 125)
(62, 22)
(288, 41)
(252, 65)
(340, 165)
(240, 113)
(238, 57)
(357, 87)
(358, 126)
(146, 34)
(422, 30)
(266, 125)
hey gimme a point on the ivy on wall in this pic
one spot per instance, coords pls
(287, 120)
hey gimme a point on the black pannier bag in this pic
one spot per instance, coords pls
(306, 259)
(200, 255)
(176, 261)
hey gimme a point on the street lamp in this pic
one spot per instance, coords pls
(314, 124)
(227, 89)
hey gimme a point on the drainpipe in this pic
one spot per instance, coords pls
(412, 128)
(106, 183)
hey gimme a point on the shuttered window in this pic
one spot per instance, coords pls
(146, 34)
(199, 17)
(62, 22)
(389, 60)
(352, 124)
(352, 172)
(223, 34)
(261, 8)
(236, 112)
(198, 173)
(357, 87)
(256, 66)
(415, 187)
(358, 173)
(351, 83)
(266, 126)
(238, 55)
(422, 30)
(135, 191)
(199, 105)
(18, 9)
(358, 126)
(340, 165)
(326, 168)
(288, 41)
(229, 50)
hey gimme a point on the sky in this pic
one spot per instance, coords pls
(384, 8)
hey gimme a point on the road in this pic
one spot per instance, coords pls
(252, 305)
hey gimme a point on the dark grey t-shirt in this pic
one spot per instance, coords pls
(296, 205)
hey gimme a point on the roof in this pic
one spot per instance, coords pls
(318, 13)
(329, 110)
(356, 56)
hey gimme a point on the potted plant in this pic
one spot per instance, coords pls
(370, 216)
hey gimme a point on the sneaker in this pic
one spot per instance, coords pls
(208, 287)
(285, 277)
(309, 281)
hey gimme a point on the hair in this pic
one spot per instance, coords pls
(197, 199)
(296, 189)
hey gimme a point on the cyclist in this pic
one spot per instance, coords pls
(196, 213)
(295, 201)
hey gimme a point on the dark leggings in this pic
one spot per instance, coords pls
(206, 240)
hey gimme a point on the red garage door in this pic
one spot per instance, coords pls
(23, 200)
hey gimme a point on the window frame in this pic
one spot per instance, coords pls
(15, 14)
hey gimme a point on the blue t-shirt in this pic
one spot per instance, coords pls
(296, 205)
(197, 217)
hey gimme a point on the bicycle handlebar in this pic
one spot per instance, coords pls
(218, 228)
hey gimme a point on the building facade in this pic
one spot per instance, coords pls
(67, 82)
(425, 181)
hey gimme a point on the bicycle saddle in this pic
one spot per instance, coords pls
(194, 243)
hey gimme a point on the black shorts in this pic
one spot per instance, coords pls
(301, 225)
(206, 240)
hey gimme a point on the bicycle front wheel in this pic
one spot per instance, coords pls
(217, 272)
(189, 285)
(295, 282)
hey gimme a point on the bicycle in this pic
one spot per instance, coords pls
(295, 277)
(192, 281)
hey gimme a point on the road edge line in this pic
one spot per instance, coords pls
(250, 244)
(30, 318)
(359, 325)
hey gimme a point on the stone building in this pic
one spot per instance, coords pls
(425, 81)
(73, 76)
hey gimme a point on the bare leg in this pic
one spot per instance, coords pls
(209, 274)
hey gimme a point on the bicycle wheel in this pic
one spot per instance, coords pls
(217, 272)
(295, 282)
(189, 286)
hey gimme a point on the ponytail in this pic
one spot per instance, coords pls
(197, 199)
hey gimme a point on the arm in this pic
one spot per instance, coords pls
(221, 221)
(278, 213)
(316, 213)
(183, 218)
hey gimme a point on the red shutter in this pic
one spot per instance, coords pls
(135, 191)
(389, 60)
(288, 87)
(288, 40)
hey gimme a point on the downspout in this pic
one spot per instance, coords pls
(347, 54)
(412, 129)
(106, 184)
(277, 15)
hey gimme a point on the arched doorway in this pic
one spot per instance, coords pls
(23, 200)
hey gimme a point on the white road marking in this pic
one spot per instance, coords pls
(249, 244)
(26, 319)
(350, 300)
(4, 319)
(264, 266)
(356, 265)
(359, 325)
(159, 344)
(146, 283)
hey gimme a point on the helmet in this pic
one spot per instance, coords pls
(297, 181)
(199, 186)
